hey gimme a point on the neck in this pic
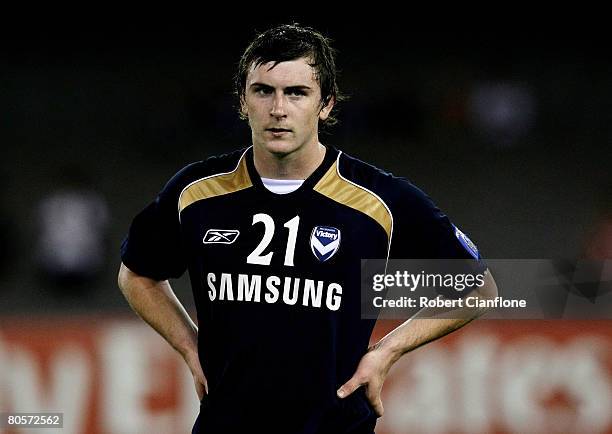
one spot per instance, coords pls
(296, 165)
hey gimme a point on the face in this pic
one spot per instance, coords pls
(283, 106)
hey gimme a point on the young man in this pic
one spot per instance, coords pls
(273, 236)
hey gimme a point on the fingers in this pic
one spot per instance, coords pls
(373, 395)
(199, 379)
(349, 387)
(201, 385)
(199, 389)
(372, 392)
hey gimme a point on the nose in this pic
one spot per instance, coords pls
(278, 106)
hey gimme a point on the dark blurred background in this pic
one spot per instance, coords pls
(509, 133)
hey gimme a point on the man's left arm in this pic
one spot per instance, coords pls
(419, 330)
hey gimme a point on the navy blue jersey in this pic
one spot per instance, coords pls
(276, 281)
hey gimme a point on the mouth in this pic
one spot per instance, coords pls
(278, 130)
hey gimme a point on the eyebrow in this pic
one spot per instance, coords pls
(288, 88)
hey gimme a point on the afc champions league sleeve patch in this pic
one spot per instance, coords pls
(466, 243)
(324, 242)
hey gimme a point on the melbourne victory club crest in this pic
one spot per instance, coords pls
(324, 242)
(466, 243)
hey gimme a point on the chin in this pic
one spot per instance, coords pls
(280, 147)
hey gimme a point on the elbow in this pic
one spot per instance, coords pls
(489, 289)
(130, 282)
(123, 278)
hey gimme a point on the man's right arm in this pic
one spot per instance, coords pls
(155, 302)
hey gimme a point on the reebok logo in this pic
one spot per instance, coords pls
(220, 236)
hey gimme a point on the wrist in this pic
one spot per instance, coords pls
(388, 351)
(188, 347)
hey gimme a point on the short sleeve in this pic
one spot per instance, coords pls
(153, 247)
(423, 231)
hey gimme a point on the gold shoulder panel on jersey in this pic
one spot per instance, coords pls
(216, 185)
(341, 190)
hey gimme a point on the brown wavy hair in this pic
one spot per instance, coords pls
(289, 42)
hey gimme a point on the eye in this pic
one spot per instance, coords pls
(296, 92)
(263, 91)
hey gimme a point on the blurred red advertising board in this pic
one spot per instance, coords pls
(115, 375)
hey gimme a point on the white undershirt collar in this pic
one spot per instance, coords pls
(282, 186)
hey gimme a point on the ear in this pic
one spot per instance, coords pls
(244, 114)
(325, 111)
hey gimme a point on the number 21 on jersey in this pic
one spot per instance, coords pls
(257, 256)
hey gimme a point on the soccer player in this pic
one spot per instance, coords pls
(273, 236)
